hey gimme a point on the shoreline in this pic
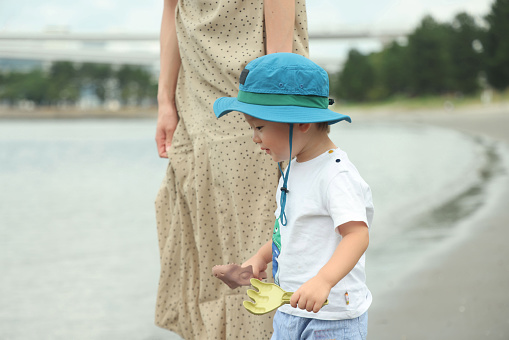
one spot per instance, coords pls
(394, 112)
(457, 291)
(75, 113)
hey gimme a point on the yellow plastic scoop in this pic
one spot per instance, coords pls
(268, 297)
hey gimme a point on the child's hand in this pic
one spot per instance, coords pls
(311, 295)
(259, 266)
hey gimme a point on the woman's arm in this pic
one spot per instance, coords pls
(313, 293)
(279, 25)
(170, 64)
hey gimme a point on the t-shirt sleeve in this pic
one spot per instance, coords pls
(349, 199)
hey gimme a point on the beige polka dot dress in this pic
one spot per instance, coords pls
(216, 203)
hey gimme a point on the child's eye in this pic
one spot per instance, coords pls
(258, 127)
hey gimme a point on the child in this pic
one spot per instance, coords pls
(324, 208)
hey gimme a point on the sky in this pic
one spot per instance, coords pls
(144, 16)
(137, 16)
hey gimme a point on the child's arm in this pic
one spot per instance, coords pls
(260, 260)
(313, 293)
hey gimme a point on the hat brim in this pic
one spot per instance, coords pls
(279, 114)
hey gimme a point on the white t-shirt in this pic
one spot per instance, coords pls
(324, 193)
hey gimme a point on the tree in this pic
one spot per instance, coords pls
(496, 45)
(392, 70)
(31, 86)
(429, 59)
(466, 62)
(357, 77)
(63, 86)
(96, 76)
(65, 83)
(134, 83)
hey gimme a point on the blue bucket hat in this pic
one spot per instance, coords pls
(283, 88)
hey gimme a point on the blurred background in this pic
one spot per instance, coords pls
(79, 169)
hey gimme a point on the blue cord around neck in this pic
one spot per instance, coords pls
(284, 189)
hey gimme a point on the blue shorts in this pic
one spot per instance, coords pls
(289, 327)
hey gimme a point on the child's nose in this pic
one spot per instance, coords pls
(256, 138)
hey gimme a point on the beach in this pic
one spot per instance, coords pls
(80, 256)
(460, 292)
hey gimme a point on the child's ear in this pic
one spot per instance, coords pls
(304, 127)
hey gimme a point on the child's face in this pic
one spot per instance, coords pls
(272, 137)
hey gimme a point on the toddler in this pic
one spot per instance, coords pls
(324, 207)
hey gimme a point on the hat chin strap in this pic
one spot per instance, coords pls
(284, 189)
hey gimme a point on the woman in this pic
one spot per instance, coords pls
(206, 215)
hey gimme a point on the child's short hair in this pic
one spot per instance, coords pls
(324, 126)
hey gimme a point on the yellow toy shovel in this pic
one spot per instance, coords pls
(268, 297)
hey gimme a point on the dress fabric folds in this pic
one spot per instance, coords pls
(216, 202)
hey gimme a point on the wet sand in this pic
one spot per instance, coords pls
(462, 289)
(461, 292)
(77, 113)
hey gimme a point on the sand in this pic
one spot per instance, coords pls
(462, 292)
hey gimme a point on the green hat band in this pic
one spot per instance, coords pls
(283, 100)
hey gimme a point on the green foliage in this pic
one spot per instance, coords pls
(393, 75)
(96, 76)
(134, 84)
(429, 59)
(496, 45)
(357, 76)
(64, 82)
(438, 59)
(18, 86)
(466, 61)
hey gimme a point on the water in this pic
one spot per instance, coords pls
(409, 166)
(79, 252)
(425, 182)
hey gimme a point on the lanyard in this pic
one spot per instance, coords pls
(284, 188)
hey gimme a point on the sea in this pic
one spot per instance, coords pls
(78, 243)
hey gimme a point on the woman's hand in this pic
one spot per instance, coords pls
(170, 64)
(311, 295)
(166, 124)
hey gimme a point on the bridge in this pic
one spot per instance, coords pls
(127, 48)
